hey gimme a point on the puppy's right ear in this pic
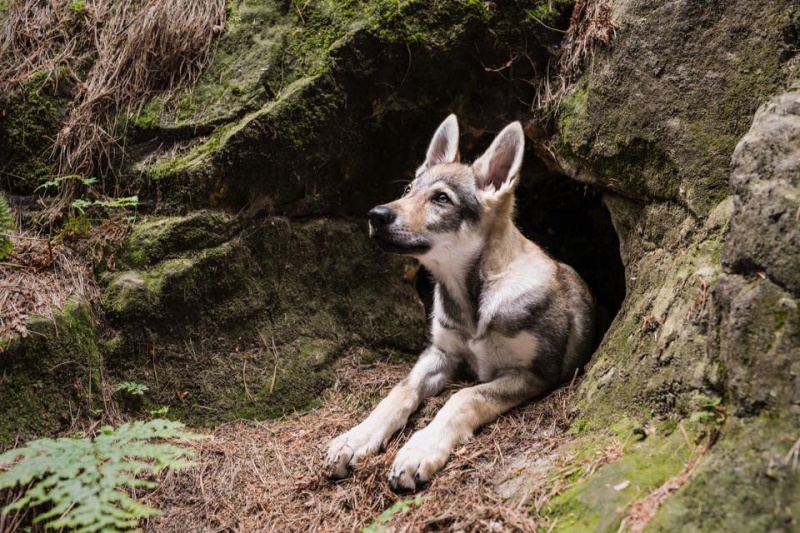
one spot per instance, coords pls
(444, 145)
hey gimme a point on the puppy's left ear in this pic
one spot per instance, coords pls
(498, 168)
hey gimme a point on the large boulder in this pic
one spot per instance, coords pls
(707, 337)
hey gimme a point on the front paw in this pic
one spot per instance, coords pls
(348, 448)
(424, 454)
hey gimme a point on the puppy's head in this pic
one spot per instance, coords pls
(449, 202)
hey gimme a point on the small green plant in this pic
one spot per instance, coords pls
(6, 226)
(77, 7)
(711, 410)
(82, 204)
(131, 388)
(80, 483)
(56, 182)
(76, 226)
(396, 508)
(118, 203)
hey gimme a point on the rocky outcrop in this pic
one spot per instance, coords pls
(755, 338)
(708, 329)
(765, 179)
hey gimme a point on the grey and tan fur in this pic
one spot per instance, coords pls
(520, 320)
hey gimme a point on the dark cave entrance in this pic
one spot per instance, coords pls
(569, 220)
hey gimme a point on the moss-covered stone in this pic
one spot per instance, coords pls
(29, 120)
(50, 376)
(153, 241)
(343, 88)
(654, 359)
(747, 482)
(599, 502)
(641, 123)
(249, 327)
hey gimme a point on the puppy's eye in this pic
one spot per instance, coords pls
(407, 190)
(441, 198)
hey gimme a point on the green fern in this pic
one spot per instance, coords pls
(131, 388)
(6, 226)
(81, 481)
(56, 182)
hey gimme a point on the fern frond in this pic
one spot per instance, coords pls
(6, 227)
(83, 480)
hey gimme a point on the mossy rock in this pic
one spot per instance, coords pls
(600, 502)
(251, 326)
(30, 118)
(51, 376)
(153, 241)
(747, 482)
(348, 95)
(654, 359)
(641, 123)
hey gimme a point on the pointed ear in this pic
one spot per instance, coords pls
(498, 167)
(444, 145)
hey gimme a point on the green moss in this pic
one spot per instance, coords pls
(746, 482)
(31, 116)
(251, 47)
(155, 240)
(77, 7)
(572, 118)
(50, 375)
(600, 502)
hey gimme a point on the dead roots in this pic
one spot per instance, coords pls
(591, 24)
(116, 56)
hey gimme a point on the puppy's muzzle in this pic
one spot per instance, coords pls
(380, 217)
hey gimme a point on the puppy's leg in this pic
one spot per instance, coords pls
(428, 449)
(427, 378)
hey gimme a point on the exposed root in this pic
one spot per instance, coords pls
(591, 24)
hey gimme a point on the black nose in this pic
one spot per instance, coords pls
(381, 216)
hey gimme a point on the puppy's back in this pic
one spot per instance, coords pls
(580, 307)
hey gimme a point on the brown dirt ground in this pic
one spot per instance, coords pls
(267, 476)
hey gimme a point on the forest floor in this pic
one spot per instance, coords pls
(267, 476)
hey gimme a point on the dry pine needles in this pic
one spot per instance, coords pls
(267, 476)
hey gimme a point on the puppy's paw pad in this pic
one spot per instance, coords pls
(347, 449)
(417, 462)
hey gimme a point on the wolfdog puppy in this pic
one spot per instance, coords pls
(521, 321)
